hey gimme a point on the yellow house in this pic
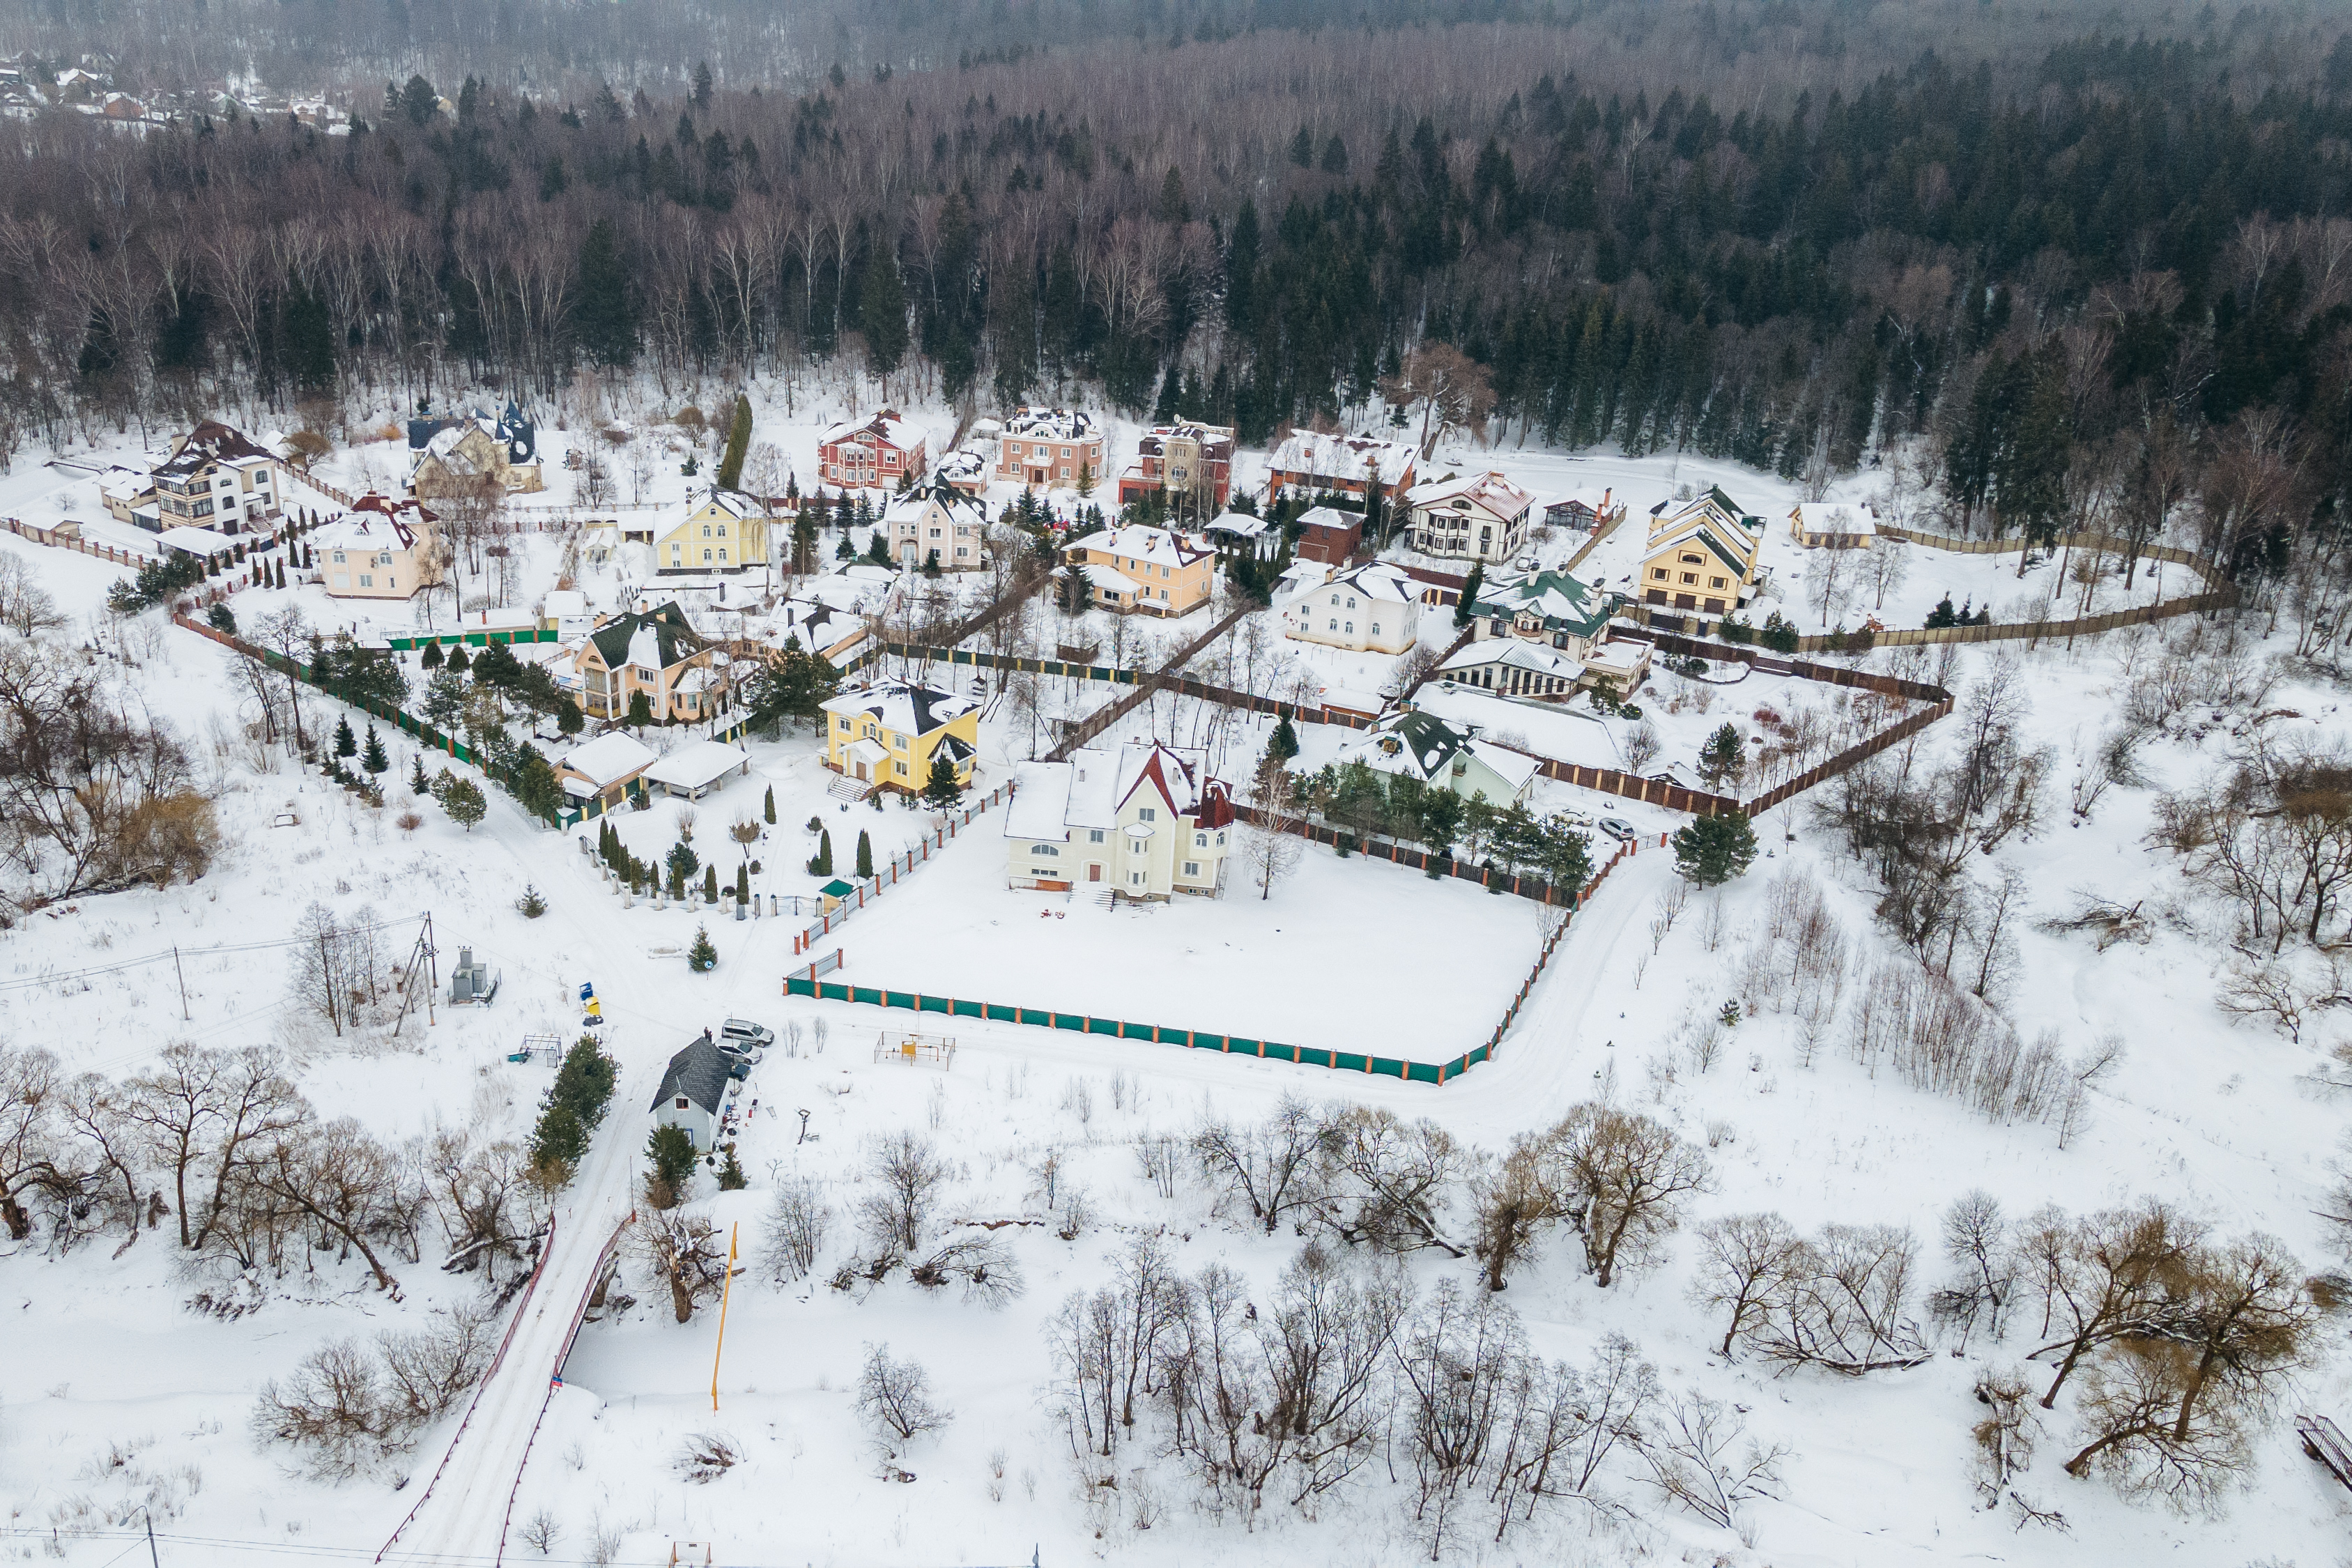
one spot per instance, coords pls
(380, 549)
(890, 733)
(726, 531)
(1702, 557)
(1154, 570)
(657, 652)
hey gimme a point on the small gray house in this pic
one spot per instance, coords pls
(692, 1090)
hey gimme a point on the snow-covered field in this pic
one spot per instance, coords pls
(116, 1397)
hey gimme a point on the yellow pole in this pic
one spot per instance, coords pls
(725, 1287)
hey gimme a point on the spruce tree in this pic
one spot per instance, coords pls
(1472, 586)
(601, 315)
(1723, 759)
(431, 658)
(1283, 744)
(371, 755)
(769, 806)
(941, 788)
(701, 957)
(459, 661)
(417, 782)
(1712, 850)
(464, 803)
(865, 855)
(882, 311)
(641, 711)
(346, 744)
(743, 882)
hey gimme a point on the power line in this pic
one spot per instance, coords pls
(51, 978)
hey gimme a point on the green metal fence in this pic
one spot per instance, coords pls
(476, 639)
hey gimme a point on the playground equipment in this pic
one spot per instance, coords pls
(916, 1050)
(537, 1045)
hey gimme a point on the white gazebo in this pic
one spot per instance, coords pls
(694, 769)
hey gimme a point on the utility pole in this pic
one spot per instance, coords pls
(724, 1288)
(184, 1004)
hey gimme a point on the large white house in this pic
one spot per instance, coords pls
(1474, 517)
(937, 523)
(1372, 608)
(1142, 821)
(1436, 755)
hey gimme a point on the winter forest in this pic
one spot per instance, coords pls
(557, 1051)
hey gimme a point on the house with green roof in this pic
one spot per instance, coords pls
(1437, 754)
(683, 676)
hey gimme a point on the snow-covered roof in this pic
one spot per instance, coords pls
(1096, 783)
(1332, 517)
(902, 705)
(854, 588)
(887, 428)
(123, 484)
(1240, 524)
(562, 604)
(1104, 577)
(1349, 458)
(696, 765)
(1560, 601)
(1422, 746)
(1379, 580)
(608, 759)
(375, 522)
(1514, 653)
(1597, 500)
(912, 506)
(1152, 546)
(1490, 493)
(1836, 518)
(1052, 425)
(194, 540)
(209, 442)
(964, 467)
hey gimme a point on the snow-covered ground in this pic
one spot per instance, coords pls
(115, 1396)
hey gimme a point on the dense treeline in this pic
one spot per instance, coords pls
(1262, 231)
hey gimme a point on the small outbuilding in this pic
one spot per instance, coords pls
(692, 1092)
(695, 769)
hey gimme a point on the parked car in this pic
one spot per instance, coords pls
(743, 1032)
(1617, 827)
(1575, 819)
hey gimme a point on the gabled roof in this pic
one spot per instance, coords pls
(1139, 541)
(1706, 533)
(1215, 440)
(663, 635)
(885, 427)
(697, 1072)
(917, 502)
(376, 522)
(698, 763)
(608, 759)
(1332, 517)
(1374, 580)
(1563, 602)
(1350, 458)
(1490, 493)
(1422, 746)
(1096, 783)
(209, 442)
(902, 705)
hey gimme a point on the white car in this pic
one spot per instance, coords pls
(1617, 827)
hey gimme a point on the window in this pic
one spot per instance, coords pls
(1690, 576)
(1376, 629)
(681, 1103)
(367, 580)
(843, 723)
(1351, 626)
(898, 742)
(1690, 559)
(901, 768)
(1191, 868)
(338, 558)
(1659, 573)
(1351, 601)
(1221, 841)
(722, 531)
(706, 533)
(723, 554)
(706, 555)
(1135, 878)
(1714, 582)
(1334, 627)
(1094, 835)
(1200, 841)
(1145, 814)
(1048, 851)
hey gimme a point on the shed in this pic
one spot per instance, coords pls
(692, 1090)
(833, 892)
(605, 767)
(693, 770)
(1330, 535)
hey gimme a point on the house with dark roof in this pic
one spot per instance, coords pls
(890, 733)
(1436, 755)
(657, 652)
(1144, 820)
(217, 477)
(693, 1091)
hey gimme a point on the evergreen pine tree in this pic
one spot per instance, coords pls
(1472, 586)
(417, 782)
(730, 1175)
(371, 755)
(346, 744)
(710, 884)
(701, 957)
(641, 711)
(865, 855)
(431, 658)
(743, 882)
(569, 719)
(1712, 850)
(941, 788)
(459, 661)
(1283, 744)
(601, 315)
(769, 806)
(882, 310)
(821, 864)
(1724, 758)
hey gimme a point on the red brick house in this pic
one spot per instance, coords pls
(1182, 459)
(880, 451)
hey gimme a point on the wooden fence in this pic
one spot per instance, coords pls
(1095, 723)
